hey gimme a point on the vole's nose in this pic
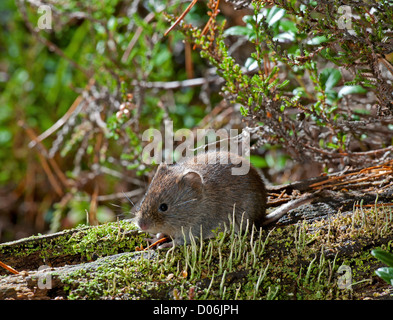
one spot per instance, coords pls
(143, 225)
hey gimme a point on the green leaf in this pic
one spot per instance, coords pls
(351, 90)
(5, 136)
(386, 274)
(239, 31)
(299, 91)
(112, 24)
(331, 96)
(317, 40)
(251, 63)
(329, 78)
(248, 19)
(283, 84)
(258, 161)
(290, 36)
(383, 256)
(288, 25)
(243, 111)
(274, 15)
(332, 145)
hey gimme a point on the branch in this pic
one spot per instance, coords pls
(170, 85)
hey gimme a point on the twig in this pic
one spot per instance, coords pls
(385, 63)
(135, 38)
(59, 123)
(93, 221)
(114, 196)
(181, 17)
(351, 154)
(188, 58)
(355, 179)
(213, 15)
(8, 268)
(52, 161)
(170, 85)
(374, 205)
(346, 183)
(44, 163)
(152, 245)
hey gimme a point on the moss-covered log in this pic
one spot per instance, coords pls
(325, 257)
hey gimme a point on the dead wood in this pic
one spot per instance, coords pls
(47, 283)
(33, 252)
(341, 188)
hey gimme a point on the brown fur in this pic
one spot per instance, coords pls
(201, 197)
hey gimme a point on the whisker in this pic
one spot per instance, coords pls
(184, 202)
(115, 205)
(128, 199)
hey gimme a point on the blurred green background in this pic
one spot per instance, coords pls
(107, 69)
(43, 72)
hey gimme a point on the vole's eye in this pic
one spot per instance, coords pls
(163, 207)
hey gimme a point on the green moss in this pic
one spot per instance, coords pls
(106, 239)
(293, 262)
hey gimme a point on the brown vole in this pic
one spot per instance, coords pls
(196, 196)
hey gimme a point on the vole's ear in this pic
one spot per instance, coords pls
(191, 178)
(161, 171)
(162, 167)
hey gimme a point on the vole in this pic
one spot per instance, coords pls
(196, 195)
